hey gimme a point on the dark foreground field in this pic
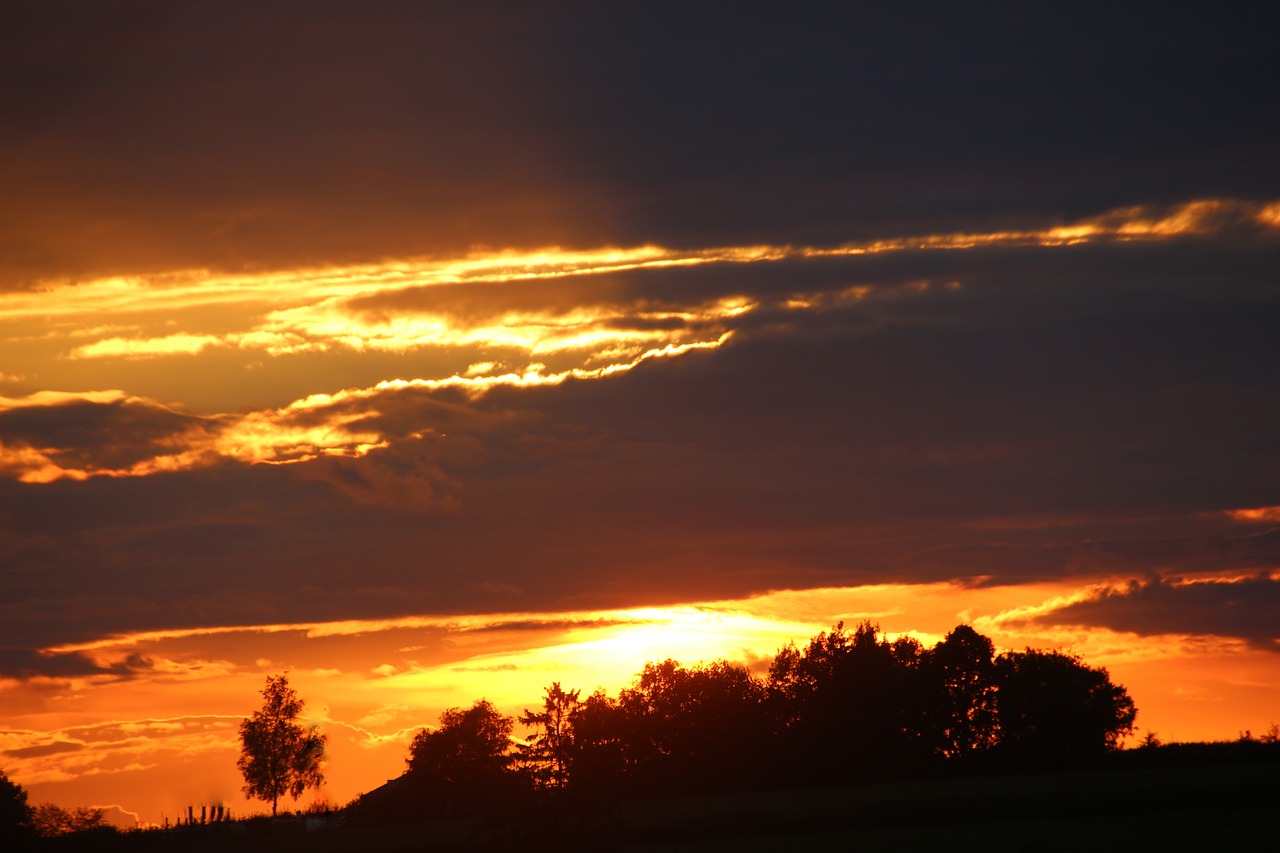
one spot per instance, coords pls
(1200, 808)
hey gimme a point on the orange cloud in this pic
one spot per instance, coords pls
(1260, 513)
(312, 310)
(315, 426)
(181, 344)
(379, 308)
(372, 683)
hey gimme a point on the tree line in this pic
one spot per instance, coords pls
(851, 706)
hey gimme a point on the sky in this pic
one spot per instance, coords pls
(431, 352)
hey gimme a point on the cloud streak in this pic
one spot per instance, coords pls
(1013, 413)
(444, 305)
(1245, 608)
(29, 663)
(321, 425)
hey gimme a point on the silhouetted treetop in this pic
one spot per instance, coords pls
(51, 820)
(15, 813)
(466, 764)
(964, 707)
(850, 705)
(689, 726)
(549, 752)
(1054, 709)
(469, 745)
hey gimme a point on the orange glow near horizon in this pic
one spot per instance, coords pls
(371, 683)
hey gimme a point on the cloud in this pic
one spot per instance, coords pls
(1086, 410)
(1246, 608)
(55, 748)
(485, 303)
(837, 297)
(1265, 514)
(30, 663)
(78, 440)
(66, 754)
(595, 125)
(125, 347)
(48, 436)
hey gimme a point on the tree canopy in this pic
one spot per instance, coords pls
(851, 704)
(278, 755)
(692, 728)
(15, 812)
(50, 820)
(465, 762)
(1054, 709)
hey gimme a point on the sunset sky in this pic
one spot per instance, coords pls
(438, 351)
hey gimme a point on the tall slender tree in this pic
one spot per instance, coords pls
(549, 750)
(278, 755)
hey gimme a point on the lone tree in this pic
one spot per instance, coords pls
(278, 756)
(549, 753)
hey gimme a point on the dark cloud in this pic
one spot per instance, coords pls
(1079, 411)
(551, 625)
(1085, 412)
(1147, 548)
(147, 136)
(1247, 608)
(55, 748)
(84, 434)
(28, 663)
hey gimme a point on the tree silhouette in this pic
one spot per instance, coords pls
(600, 738)
(15, 813)
(700, 727)
(278, 756)
(49, 820)
(849, 699)
(466, 762)
(549, 751)
(962, 667)
(1053, 709)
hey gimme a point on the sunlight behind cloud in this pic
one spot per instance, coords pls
(463, 311)
(311, 310)
(128, 728)
(306, 429)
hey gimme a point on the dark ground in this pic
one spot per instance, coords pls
(1166, 800)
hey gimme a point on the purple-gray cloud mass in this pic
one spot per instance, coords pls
(149, 136)
(26, 663)
(999, 414)
(1066, 412)
(1246, 608)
